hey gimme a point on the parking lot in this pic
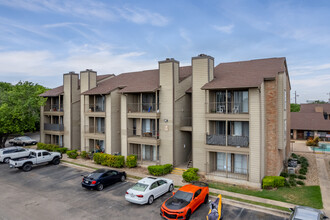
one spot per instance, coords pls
(54, 192)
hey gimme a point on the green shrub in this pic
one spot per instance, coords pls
(131, 161)
(84, 154)
(73, 154)
(293, 155)
(286, 183)
(62, 150)
(273, 182)
(190, 175)
(292, 182)
(109, 160)
(284, 174)
(159, 170)
(292, 175)
(48, 147)
(299, 182)
(302, 177)
(303, 171)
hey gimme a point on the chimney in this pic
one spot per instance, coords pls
(87, 80)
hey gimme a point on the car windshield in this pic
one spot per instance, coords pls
(183, 195)
(140, 187)
(94, 175)
(25, 138)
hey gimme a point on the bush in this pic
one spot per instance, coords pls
(48, 147)
(292, 175)
(293, 155)
(190, 175)
(301, 177)
(292, 182)
(299, 182)
(303, 171)
(73, 154)
(159, 170)
(131, 161)
(284, 174)
(62, 150)
(286, 183)
(109, 160)
(84, 154)
(273, 182)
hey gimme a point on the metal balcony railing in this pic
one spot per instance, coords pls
(226, 108)
(216, 139)
(94, 108)
(94, 130)
(54, 108)
(53, 127)
(242, 141)
(219, 139)
(144, 107)
(143, 133)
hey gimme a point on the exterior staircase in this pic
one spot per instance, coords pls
(190, 164)
(178, 171)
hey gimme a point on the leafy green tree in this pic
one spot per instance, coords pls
(19, 108)
(295, 107)
(319, 102)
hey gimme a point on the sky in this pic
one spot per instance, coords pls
(40, 40)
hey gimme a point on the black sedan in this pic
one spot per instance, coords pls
(101, 178)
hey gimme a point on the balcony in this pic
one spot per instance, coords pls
(53, 127)
(218, 139)
(138, 110)
(54, 109)
(94, 130)
(94, 108)
(138, 136)
(227, 108)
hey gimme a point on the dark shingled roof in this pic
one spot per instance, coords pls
(310, 108)
(59, 90)
(142, 81)
(309, 121)
(245, 74)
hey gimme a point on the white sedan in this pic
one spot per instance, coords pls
(148, 189)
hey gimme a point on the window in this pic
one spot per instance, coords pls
(20, 150)
(161, 182)
(238, 128)
(154, 185)
(238, 101)
(236, 163)
(45, 153)
(197, 193)
(39, 154)
(220, 127)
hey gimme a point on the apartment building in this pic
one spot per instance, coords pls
(60, 117)
(231, 121)
(241, 134)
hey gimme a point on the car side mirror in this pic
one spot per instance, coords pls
(291, 209)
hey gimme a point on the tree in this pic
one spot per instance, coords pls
(319, 102)
(19, 108)
(295, 107)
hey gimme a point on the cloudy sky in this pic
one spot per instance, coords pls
(42, 39)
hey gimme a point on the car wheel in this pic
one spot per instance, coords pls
(206, 200)
(100, 187)
(56, 161)
(6, 160)
(123, 178)
(170, 189)
(188, 214)
(150, 200)
(27, 167)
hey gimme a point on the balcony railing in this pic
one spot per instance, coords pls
(144, 107)
(94, 108)
(242, 141)
(53, 127)
(54, 108)
(143, 133)
(216, 139)
(94, 130)
(229, 108)
(219, 139)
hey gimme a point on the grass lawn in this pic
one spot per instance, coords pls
(302, 195)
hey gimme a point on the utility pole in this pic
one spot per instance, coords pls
(329, 97)
(295, 97)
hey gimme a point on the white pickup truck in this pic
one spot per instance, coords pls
(36, 157)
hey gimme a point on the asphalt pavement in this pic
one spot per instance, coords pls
(54, 192)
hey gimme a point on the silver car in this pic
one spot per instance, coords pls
(306, 213)
(9, 153)
(24, 140)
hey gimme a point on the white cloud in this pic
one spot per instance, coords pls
(184, 35)
(227, 29)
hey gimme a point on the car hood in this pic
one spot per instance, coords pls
(175, 204)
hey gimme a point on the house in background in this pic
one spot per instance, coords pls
(231, 121)
(313, 120)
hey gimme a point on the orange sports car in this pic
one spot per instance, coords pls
(185, 201)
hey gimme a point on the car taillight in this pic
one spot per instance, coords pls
(126, 192)
(94, 182)
(140, 196)
(82, 179)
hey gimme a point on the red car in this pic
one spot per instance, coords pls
(185, 201)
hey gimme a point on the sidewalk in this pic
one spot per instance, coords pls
(324, 181)
(178, 181)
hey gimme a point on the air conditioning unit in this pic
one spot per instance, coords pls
(291, 170)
